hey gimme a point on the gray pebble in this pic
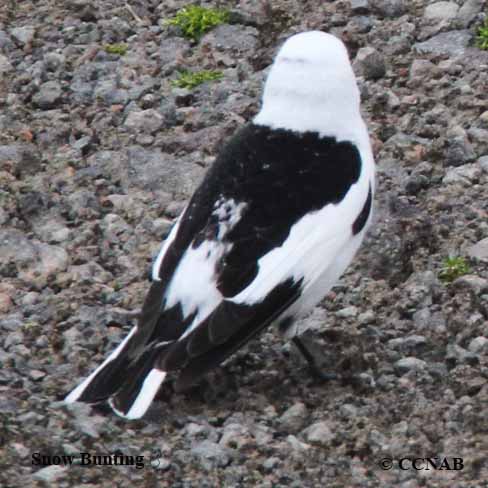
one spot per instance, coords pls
(50, 474)
(5, 65)
(348, 312)
(472, 282)
(453, 43)
(49, 95)
(25, 158)
(369, 63)
(148, 121)
(464, 175)
(235, 435)
(359, 6)
(390, 8)
(23, 35)
(210, 455)
(320, 433)
(295, 417)
(271, 463)
(6, 43)
(468, 11)
(479, 250)
(483, 163)
(407, 364)
(479, 345)
(441, 11)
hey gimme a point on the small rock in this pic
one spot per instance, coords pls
(24, 158)
(441, 11)
(472, 282)
(148, 121)
(5, 65)
(468, 11)
(459, 151)
(49, 474)
(359, 6)
(49, 95)
(235, 435)
(296, 444)
(369, 63)
(347, 312)
(233, 38)
(161, 464)
(21, 450)
(49, 261)
(108, 91)
(23, 35)
(479, 345)
(484, 117)
(405, 365)
(53, 61)
(458, 355)
(6, 43)
(483, 163)
(416, 182)
(453, 43)
(407, 343)
(479, 250)
(368, 317)
(271, 463)
(85, 421)
(348, 410)
(465, 175)
(319, 433)
(420, 68)
(211, 455)
(36, 375)
(5, 303)
(390, 8)
(295, 417)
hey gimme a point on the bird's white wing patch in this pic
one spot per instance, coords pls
(311, 248)
(194, 283)
(165, 246)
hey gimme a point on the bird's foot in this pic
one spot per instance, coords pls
(321, 375)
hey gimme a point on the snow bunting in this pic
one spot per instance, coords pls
(273, 225)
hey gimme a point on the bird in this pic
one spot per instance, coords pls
(274, 223)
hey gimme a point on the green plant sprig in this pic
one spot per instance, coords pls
(482, 37)
(452, 268)
(190, 80)
(119, 48)
(194, 21)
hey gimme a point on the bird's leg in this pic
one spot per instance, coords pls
(312, 364)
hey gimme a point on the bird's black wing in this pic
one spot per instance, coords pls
(279, 177)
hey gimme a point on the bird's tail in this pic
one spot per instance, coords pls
(129, 386)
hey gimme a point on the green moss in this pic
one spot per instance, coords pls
(482, 37)
(119, 48)
(194, 21)
(453, 267)
(190, 80)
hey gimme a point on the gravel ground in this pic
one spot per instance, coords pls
(98, 153)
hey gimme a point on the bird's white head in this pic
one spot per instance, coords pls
(311, 87)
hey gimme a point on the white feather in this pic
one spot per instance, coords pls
(167, 242)
(315, 247)
(145, 397)
(78, 391)
(194, 284)
(311, 87)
